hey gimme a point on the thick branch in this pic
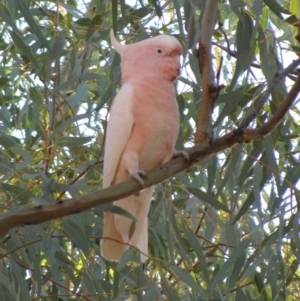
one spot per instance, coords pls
(40, 214)
(209, 90)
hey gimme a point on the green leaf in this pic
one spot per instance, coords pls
(105, 98)
(186, 278)
(168, 290)
(114, 12)
(118, 210)
(179, 18)
(4, 81)
(127, 256)
(24, 48)
(72, 141)
(276, 8)
(240, 295)
(267, 55)
(32, 24)
(37, 98)
(96, 21)
(236, 271)
(246, 205)
(9, 141)
(236, 98)
(205, 197)
(293, 270)
(191, 237)
(294, 7)
(8, 285)
(211, 173)
(260, 285)
(152, 291)
(132, 228)
(83, 21)
(142, 12)
(257, 7)
(229, 263)
(269, 150)
(291, 179)
(257, 177)
(34, 252)
(14, 189)
(245, 171)
(69, 122)
(19, 275)
(82, 77)
(88, 285)
(81, 92)
(75, 231)
(59, 44)
(5, 15)
(157, 7)
(296, 231)
(245, 48)
(170, 242)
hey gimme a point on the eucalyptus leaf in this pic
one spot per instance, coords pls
(76, 234)
(205, 197)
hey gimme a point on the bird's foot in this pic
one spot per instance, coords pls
(138, 175)
(181, 153)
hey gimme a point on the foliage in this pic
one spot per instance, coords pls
(227, 229)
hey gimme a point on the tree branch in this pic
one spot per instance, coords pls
(254, 65)
(275, 81)
(254, 134)
(209, 90)
(40, 214)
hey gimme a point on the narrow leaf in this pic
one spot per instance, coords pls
(8, 285)
(82, 77)
(168, 290)
(72, 141)
(127, 256)
(237, 253)
(187, 279)
(191, 237)
(246, 205)
(291, 179)
(276, 8)
(32, 24)
(76, 234)
(68, 122)
(24, 48)
(205, 197)
(4, 81)
(121, 211)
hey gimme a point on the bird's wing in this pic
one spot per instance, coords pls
(118, 132)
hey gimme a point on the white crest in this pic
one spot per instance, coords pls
(117, 45)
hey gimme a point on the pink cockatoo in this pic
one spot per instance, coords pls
(142, 130)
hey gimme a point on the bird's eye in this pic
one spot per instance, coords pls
(159, 51)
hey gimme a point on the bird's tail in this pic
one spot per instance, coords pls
(116, 234)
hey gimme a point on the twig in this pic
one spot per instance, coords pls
(254, 65)
(53, 281)
(276, 80)
(201, 221)
(254, 134)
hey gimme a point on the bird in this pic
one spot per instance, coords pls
(142, 130)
